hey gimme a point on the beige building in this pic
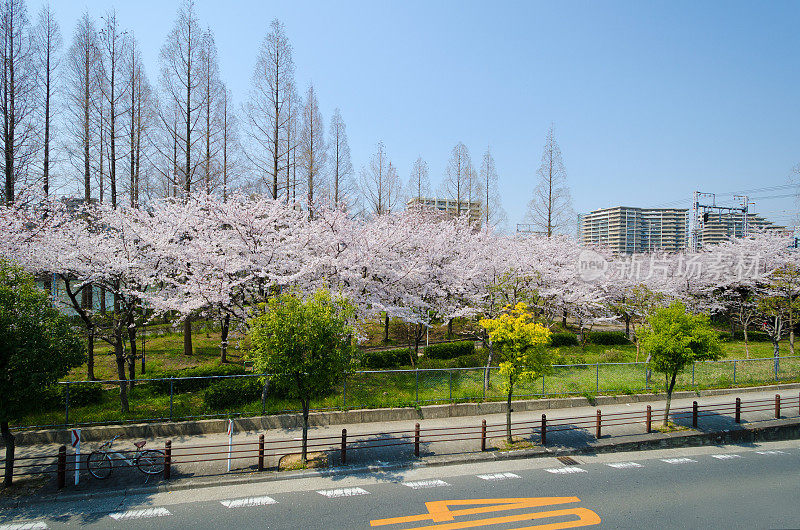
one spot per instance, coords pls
(627, 230)
(449, 206)
(721, 226)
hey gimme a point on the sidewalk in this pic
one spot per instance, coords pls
(186, 473)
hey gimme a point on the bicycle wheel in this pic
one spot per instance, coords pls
(151, 462)
(99, 464)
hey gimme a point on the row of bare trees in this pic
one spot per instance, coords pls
(87, 118)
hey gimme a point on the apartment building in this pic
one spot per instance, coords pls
(449, 206)
(627, 230)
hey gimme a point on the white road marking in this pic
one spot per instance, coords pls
(498, 476)
(624, 465)
(343, 492)
(249, 501)
(422, 484)
(678, 460)
(565, 470)
(772, 452)
(726, 457)
(147, 513)
(34, 525)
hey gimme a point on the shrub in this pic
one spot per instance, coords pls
(378, 360)
(190, 385)
(563, 339)
(608, 338)
(233, 392)
(475, 360)
(81, 394)
(726, 336)
(450, 350)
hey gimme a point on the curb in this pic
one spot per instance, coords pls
(357, 416)
(768, 430)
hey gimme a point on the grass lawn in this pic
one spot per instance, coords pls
(390, 389)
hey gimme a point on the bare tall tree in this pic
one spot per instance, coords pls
(268, 108)
(213, 92)
(380, 183)
(17, 100)
(493, 213)
(81, 80)
(341, 167)
(47, 46)
(313, 153)
(112, 53)
(419, 184)
(550, 210)
(182, 80)
(460, 182)
(140, 118)
(229, 143)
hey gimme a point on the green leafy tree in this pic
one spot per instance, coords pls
(304, 346)
(524, 347)
(676, 338)
(37, 347)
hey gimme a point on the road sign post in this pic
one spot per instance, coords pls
(76, 443)
(230, 443)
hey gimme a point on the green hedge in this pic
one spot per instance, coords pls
(190, 385)
(563, 339)
(752, 336)
(450, 350)
(81, 394)
(233, 392)
(608, 338)
(378, 360)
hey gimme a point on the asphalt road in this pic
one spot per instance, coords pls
(756, 486)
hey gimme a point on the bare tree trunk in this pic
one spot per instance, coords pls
(8, 439)
(132, 355)
(225, 327)
(746, 343)
(119, 353)
(386, 328)
(669, 398)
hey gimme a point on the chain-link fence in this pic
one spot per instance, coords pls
(86, 403)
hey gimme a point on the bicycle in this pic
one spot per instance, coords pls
(100, 462)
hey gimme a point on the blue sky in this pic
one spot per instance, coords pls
(650, 100)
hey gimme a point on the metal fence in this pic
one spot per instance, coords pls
(258, 454)
(168, 400)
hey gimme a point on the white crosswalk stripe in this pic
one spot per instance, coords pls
(422, 484)
(624, 465)
(726, 457)
(343, 492)
(249, 501)
(772, 452)
(565, 470)
(678, 460)
(32, 525)
(498, 476)
(147, 513)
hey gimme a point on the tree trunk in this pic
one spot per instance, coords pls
(223, 345)
(564, 320)
(628, 327)
(119, 352)
(386, 328)
(669, 398)
(746, 344)
(776, 353)
(132, 356)
(8, 439)
(487, 372)
(450, 328)
(638, 347)
(304, 455)
(187, 336)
